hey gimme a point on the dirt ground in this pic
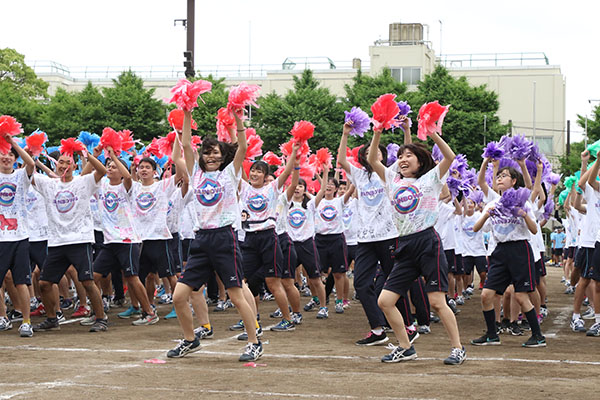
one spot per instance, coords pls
(318, 360)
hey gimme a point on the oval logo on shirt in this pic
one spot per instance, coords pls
(347, 215)
(257, 203)
(468, 229)
(7, 193)
(406, 199)
(372, 193)
(504, 229)
(64, 201)
(209, 192)
(30, 200)
(111, 201)
(328, 213)
(296, 218)
(145, 201)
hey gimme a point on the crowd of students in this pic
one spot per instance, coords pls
(410, 223)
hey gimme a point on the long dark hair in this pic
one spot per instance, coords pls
(305, 198)
(227, 152)
(423, 155)
(362, 157)
(514, 174)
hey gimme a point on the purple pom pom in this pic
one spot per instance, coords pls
(553, 178)
(360, 121)
(454, 185)
(436, 154)
(548, 209)
(404, 108)
(476, 196)
(459, 164)
(535, 154)
(469, 178)
(519, 147)
(493, 151)
(512, 201)
(392, 153)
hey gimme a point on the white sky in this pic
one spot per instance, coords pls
(141, 32)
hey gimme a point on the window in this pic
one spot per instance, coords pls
(408, 75)
(544, 143)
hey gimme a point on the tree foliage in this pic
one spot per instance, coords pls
(571, 163)
(18, 75)
(593, 124)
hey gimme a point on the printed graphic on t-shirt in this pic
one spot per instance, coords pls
(7, 194)
(372, 193)
(257, 203)
(9, 224)
(468, 229)
(297, 218)
(209, 192)
(328, 213)
(406, 199)
(347, 217)
(65, 201)
(111, 201)
(145, 201)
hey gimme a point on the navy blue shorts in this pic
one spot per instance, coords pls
(571, 252)
(511, 263)
(584, 261)
(419, 254)
(175, 251)
(262, 255)
(154, 258)
(37, 254)
(308, 256)
(98, 243)
(123, 256)
(351, 253)
(290, 258)
(450, 259)
(332, 252)
(185, 249)
(214, 250)
(595, 260)
(456, 267)
(14, 256)
(470, 262)
(60, 258)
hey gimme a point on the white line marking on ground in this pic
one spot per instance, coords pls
(559, 322)
(300, 356)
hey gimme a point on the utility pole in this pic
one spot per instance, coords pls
(534, 112)
(485, 129)
(189, 53)
(569, 137)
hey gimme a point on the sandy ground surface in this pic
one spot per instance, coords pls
(318, 360)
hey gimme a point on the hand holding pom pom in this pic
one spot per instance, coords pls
(358, 120)
(111, 138)
(176, 120)
(493, 151)
(186, 93)
(385, 109)
(431, 119)
(8, 127)
(70, 146)
(35, 142)
(243, 95)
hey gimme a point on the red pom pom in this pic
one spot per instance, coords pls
(9, 126)
(165, 144)
(127, 142)
(302, 131)
(352, 156)
(35, 142)
(176, 120)
(153, 149)
(429, 114)
(242, 96)
(271, 159)
(384, 111)
(111, 138)
(196, 141)
(254, 144)
(186, 93)
(70, 146)
(313, 186)
(323, 158)
(225, 120)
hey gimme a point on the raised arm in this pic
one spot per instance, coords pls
(186, 142)
(481, 176)
(27, 160)
(526, 176)
(122, 169)
(288, 166)
(447, 152)
(87, 167)
(373, 158)
(295, 178)
(46, 170)
(341, 156)
(537, 187)
(593, 175)
(349, 193)
(240, 154)
(321, 192)
(406, 129)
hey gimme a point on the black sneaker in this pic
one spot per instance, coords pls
(514, 329)
(452, 304)
(504, 325)
(434, 318)
(252, 352)
(47, 325)
(457, 356)
(203, 333)
(184, 347)
(372, 339)
(485, 340)
(15, 316)
(100, 325)
(412, 335)
(399, 354)
(535, 341)
(525, 325)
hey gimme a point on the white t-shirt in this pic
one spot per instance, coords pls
(282, 214)
(590, 227)
(260, 204)
(444, 226)
(13, 213)
(301, 221)
(508, 228)
(215, 197)
(150, 204)
(456, 224)
(116, 213)
(350, 222)
(414, 201)
(374, 216)
(37, 220)
(68, 208)
(187, 221)
(473, 242)
(329, 218)
(174, 209)
(96, 217)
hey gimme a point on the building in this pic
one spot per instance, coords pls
(531, 92)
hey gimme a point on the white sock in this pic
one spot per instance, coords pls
(597, 318)
(380, 331)
(576, 316)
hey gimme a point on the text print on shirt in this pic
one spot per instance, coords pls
(7, 193)
(209, 192)
(65, 201)
(297, 218)
(372, 193)
(406, 199)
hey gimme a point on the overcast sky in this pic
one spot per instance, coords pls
(231, 32)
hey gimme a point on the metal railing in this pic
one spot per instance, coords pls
(493, 60)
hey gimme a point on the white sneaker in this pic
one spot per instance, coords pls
(460, 301)
(589, 313)
(577, 325)
(25, 330)
(323, 313)
(5, 324)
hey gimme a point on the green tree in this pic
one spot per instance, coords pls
(128, 105)
(366, 89)
(307, 101)
(15, 73)
(571, 163)
(593, 124)
(463, 125)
